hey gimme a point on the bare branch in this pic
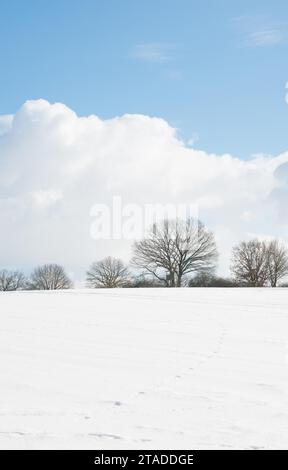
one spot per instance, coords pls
(250, 263)
(277, 262)
(12, 280)
(49, 277)
(175, 248)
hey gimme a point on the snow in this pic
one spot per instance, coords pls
(144, 368)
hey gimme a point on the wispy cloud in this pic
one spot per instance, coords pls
(153, 52)
(268, 37)
(260, 32)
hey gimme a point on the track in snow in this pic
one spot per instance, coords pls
(144, 368)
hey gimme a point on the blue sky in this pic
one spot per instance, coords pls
(214, 69)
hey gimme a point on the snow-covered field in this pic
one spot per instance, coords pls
(144, 368)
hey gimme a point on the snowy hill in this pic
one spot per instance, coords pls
(144, 368)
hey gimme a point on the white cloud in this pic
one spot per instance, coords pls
(153, 52)
(46, 198)
(5, 123)
(260, 31)
(54, 166)
(268, 37)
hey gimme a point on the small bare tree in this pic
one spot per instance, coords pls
(109, 272)
(49, 277)
(11, 280)
(175, 248)
(277, 262)
(250, 263)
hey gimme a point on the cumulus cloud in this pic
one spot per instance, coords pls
(5, 123)
(54, 166)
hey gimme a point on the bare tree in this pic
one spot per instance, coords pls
(175, 248)
(11, 280)
(109, 272)
(49, 277)
(277, 262)
(250, 263)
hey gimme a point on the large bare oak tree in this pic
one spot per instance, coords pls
(174, 249)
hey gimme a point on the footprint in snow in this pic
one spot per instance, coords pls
(118, 403)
